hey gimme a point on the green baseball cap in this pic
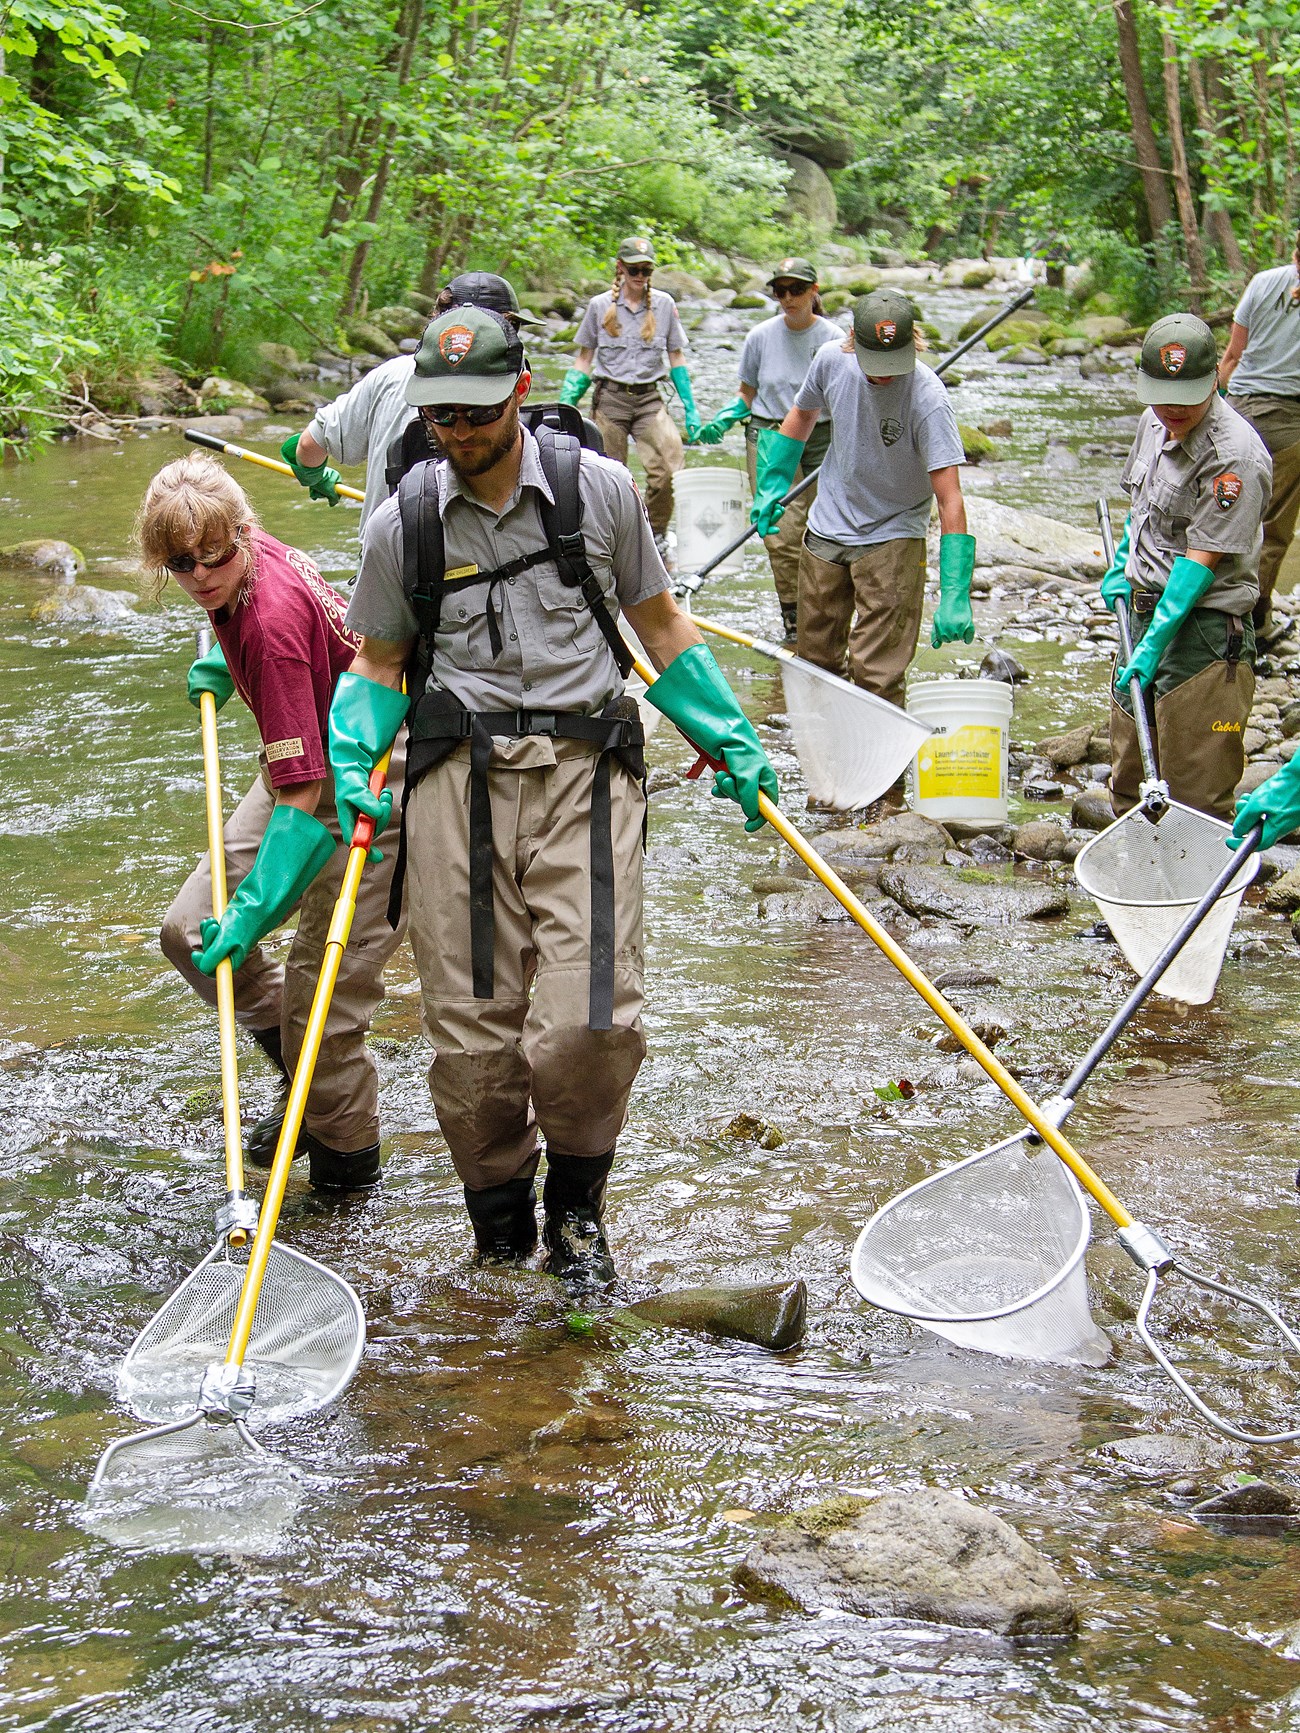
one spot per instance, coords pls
(635, 250)
(793, 271)
(467, 355)
(884, 333)
(1179, 362)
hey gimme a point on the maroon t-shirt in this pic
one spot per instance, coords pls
(285, 645)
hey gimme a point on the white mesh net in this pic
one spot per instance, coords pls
(1146, 878)
(307, 1338)
(852, 746)
(988, 1254)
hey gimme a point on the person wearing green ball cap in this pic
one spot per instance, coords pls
(282, 644)
(773, 362)
(1198, 478)
(629, 342)
(895, 451)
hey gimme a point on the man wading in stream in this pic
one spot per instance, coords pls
(894, 449)
(1198, 479)
(523, 831)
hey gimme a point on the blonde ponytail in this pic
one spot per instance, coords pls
(610, 321)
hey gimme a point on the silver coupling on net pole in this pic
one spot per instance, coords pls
(227, 1392)
(1146, 1248)
(237, 1212)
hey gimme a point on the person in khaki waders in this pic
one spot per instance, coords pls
(523, 831)
(631, 340)
(894, 451)
(1198, 479)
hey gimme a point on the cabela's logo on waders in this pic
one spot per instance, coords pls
(1173, 358)
(1227, 490)
(891, 430)
(886, 331)
(455, 344)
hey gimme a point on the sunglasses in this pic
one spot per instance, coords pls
(638, 270)
(782, 290)
(183, 564)
(481, 415)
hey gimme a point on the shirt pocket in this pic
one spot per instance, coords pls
(568, 624)
(463, 635)
(1173, 505)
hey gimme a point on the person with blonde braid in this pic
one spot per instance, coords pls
(631, 340)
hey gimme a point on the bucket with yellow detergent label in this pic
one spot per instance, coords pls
(960, 771)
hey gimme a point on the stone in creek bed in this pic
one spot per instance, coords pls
(1002, 665)
(922, 891)
(965, 975)
(82, 604)
(1091, 810)
(920, 1555)
(1040, 839)
(1039, 788)
(774, 1315)
(1283, 895)
(47, 558)
(1155, 1455)
(749, 1128)
(1064, 751)
(1251, 1498)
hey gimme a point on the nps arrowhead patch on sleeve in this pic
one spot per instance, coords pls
(1227, 490)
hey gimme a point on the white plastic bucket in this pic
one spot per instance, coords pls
(711, 510)
(960, 771)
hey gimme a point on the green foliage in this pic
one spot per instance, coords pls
(37, 346)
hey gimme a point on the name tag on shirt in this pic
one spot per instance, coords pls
(454, 572)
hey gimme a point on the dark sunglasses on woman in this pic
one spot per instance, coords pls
(638, 270)
(183, 564)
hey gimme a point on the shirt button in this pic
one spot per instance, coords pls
(514, 638)
(528, 685)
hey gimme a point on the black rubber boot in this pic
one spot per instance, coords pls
(338, 1170)
(264, 1136)
(504, 1220)
(574, 1201)
(790, 620)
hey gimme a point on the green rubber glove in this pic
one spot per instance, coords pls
(1115, 584)
(209, 674)
(364, 719)
(1188, 582)
(712, 431)
(682, 380)
(692, 692)
(1275, 804)
(575, 386)
(775, 461)
(319, 479)
(293, 850)
(953, 621)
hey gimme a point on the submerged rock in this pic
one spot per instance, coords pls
(1002, 665)
(1251, 1498)
(47, 557)
(1005, 536)
(749, 1128)
(1156, 1455)
(75, 604)
(772, 1314)
(922, 1555)
(972, 902)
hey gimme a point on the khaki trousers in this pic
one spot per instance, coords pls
(1277, 421)
(343, 1106)
(641, 416)
(1198, 710)
(525, 1059)
(866, 614)
(784, 547)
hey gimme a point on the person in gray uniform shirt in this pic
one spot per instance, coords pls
(359, 426)
(775, 357)
(894, 450)
(1260, 372)
(523, 832)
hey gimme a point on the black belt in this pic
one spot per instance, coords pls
(638, 388)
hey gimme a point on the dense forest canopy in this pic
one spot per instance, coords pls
(179, 182)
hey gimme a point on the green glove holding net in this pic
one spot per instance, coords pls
(953, 621)
(575, 386)
(692, 692)
(712, 431)
(1188, 582)
(775, 462)
(319, 479)
(1115, 584)
(1275, 804)
(682, 381)
(292, 852)
(364, 719)
(209, 673)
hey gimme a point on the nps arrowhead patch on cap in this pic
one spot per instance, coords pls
(455, 343)
(1227, 490)
(1173, 358)
(886, 331)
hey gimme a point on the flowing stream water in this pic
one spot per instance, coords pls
(512, 1522)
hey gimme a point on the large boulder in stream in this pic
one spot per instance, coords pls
(772, 1314)
(1007, 537)
(46, 558)
(972, 899)
(82, 605)
(917, 1555)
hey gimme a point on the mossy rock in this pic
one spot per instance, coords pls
(565, 334)
(833, 301)
(399, 322)
(863, 285)
(1016, 332)
(978, 277)
(932, 331)
(741, 302)
(46, 557)
(1102, 303)
(1130, 335)
(976, 445)
(201, 1103)
(218, 396)
(363, 334)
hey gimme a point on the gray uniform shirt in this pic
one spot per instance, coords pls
(1270, 366)
(776, 359)
(1208, 491)
(553, 656)
(359, 426)
(885, 440)
(631, 358)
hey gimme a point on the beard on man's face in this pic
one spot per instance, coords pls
(488, 446)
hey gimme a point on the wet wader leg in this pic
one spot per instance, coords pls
(1206, 717)
(479, 1079)
(581, 1077)
(825, 611)
(343, 1106)
(1126, 773)
(259, 984)
(889, 591)
(1279, 524)
(659, 446)
(612, 411)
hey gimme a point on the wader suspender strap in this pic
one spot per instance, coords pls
(1234, 646)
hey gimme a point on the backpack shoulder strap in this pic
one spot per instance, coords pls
(561, 457)
(409, 448)
(424, 562)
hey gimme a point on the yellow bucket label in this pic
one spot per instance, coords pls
(967, 762)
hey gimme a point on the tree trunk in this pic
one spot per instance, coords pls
(1182, 176)
(210, 109)
(409, 34)
(1217, 218)
(1144, 138)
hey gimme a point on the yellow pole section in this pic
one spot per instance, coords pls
(274, 463)
(744, 639)
(225, 976)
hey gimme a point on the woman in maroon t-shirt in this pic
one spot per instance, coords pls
(283, 644)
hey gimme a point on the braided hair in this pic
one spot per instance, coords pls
(611, 320)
